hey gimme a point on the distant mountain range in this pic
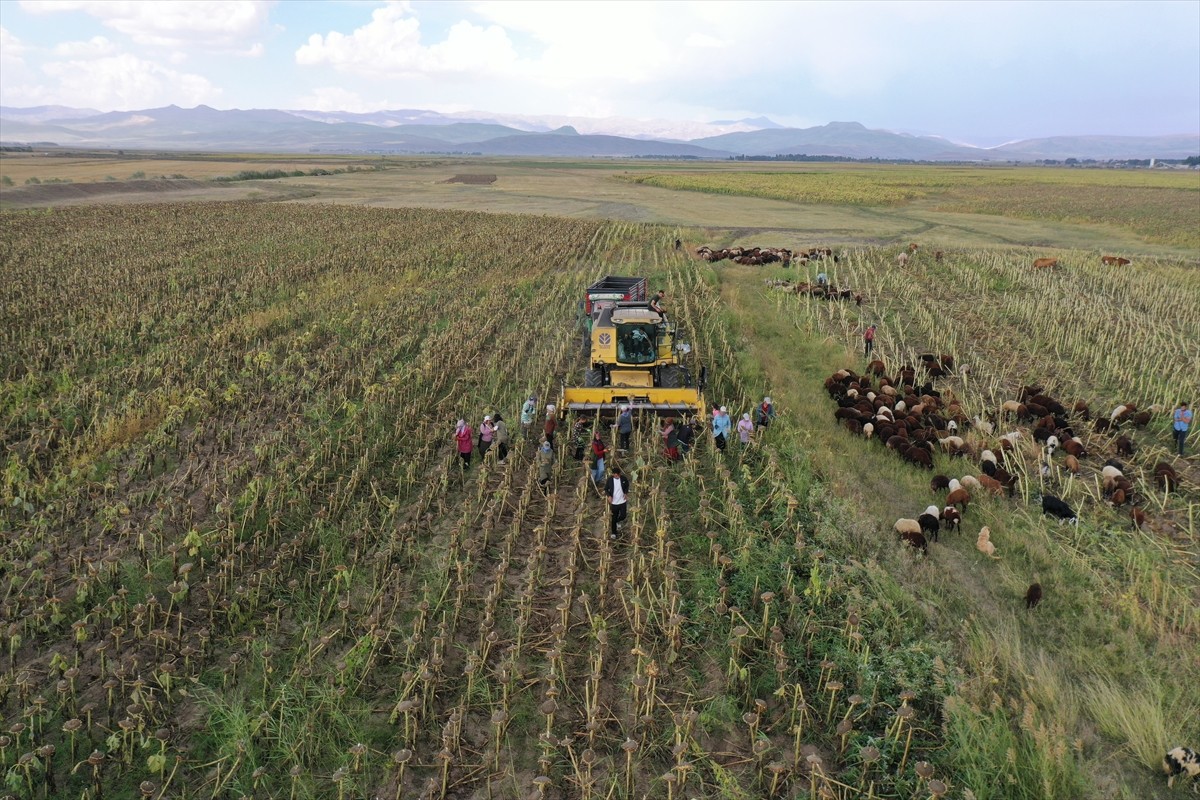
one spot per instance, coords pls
(416, 131)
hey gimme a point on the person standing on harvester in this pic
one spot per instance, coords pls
(1182, 421)
(616, 491)
(869, 340)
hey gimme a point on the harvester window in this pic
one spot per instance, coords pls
(635, 344)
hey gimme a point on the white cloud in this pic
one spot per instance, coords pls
(12, 49)
(95, 47)
(221, 25)
(390, 45)
(335, 98)
(124, 81)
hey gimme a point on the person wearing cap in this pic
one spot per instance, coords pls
(744, 428)
(462, 435)
(721, 426)
(527, 413)
(487, 432)
(624, 427)
(766, 413)
(1181, 421)
(616, 492)
(501, 436)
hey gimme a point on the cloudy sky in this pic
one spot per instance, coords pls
(977, 72)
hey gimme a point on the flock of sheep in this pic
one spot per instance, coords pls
(914, 420)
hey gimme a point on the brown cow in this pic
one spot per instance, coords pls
(912, 248)
(1122, 262)
(1108, 260)
(1044, 263)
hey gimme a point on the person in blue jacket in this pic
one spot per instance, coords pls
(1181, 421)
(721, 427)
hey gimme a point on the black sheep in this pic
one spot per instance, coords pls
(1055, 507)
(1033, 595)
(930, 523)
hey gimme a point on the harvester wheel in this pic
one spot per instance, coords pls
(670, 376)
(593, 378)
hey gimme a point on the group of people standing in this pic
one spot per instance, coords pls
(591, 449)
(723, 426)
(492, 430)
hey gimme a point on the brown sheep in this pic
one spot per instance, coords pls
(1138, 516)
(1033, 595)
(959, 497)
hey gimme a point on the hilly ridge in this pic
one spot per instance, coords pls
(413, 131)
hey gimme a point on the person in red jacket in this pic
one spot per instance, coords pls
(463, 434)
(869, 340)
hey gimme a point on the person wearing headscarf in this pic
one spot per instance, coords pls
(721, 426)
(501, 436)
(487, 432)
(670, 440)
(528, 411)
(598, 451)
(766, 413)
(462, 435)
(624, 427)
(744, 428)
(545, 460)
(551, 424)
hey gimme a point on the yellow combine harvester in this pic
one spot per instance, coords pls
(636, 357)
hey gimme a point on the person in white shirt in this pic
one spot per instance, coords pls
(616, 490)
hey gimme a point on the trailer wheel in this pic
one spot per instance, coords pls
(593, 378)
(670, 377)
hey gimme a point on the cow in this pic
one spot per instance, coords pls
(1045, 263)
(1121, 262)
(1108, 261)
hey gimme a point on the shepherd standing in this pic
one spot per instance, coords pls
(869, 340)
(1182, 421)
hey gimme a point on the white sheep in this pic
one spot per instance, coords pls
(904, 525)
(1110, 471)
(868, 430)
(954, 484)
(988, 455)
(970, 482)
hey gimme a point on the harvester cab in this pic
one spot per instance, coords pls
(636, 357)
